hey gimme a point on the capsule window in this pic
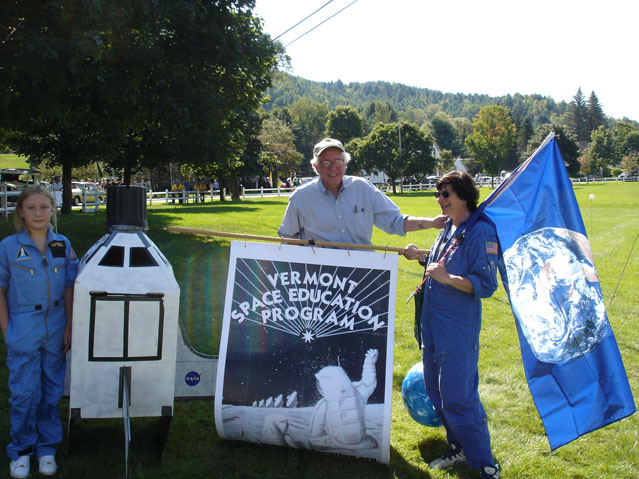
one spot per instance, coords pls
(140, 257)
(113, 257)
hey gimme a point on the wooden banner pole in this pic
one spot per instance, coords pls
(177, 229)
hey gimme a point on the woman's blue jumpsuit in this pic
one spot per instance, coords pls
(35, 287)
(451, 321)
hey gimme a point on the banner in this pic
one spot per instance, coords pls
(306, 356)
(570, 355)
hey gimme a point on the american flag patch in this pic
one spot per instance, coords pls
(491, 247)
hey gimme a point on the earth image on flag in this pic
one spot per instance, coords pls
(555, 294)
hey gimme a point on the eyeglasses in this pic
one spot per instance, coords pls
(444, 193)
(327, 164)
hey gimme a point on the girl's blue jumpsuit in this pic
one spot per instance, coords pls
(450, 325)
(35, 287)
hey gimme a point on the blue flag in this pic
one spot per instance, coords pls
(570, 355)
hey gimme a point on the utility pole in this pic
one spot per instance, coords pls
(399, 132)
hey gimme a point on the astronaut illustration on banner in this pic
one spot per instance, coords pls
(338, 420)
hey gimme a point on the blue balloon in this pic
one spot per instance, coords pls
(415, 398)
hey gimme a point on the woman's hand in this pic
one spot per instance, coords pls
(438, 273)
(411, 252)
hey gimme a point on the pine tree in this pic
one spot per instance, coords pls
(577, 116)
(524, 133)
(596, 117)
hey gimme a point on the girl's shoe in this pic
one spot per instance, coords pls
(19, 468)
(48, 467)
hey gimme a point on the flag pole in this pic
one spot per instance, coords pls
(417, 289)
(623, 269)
(292, 241)
(592, 197)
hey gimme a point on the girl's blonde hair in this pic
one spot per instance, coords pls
(37, 189)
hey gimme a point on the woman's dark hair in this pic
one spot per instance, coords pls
(463, 185)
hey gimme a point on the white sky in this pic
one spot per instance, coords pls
(494, 47)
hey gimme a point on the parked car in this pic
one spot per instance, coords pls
(17, 179)
(91, 192)
(627, 174)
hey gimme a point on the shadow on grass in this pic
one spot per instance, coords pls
(431, 448)
(401, 468)
(194, 449)
(86, 229)
(212, 208)
(589, 185)
(95, 447)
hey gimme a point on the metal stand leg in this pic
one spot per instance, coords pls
(125, 378)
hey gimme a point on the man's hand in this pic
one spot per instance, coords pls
(439, 221)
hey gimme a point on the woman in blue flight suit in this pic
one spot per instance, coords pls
(461, 269)
(37, 271)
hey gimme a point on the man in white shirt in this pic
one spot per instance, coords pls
(339, 208)
(57, 190)
(57, 184)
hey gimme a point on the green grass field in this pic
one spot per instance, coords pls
(11, 160)
(200, 263)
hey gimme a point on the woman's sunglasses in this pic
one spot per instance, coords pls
(444, 193)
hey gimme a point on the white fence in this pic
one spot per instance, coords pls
(8, 197)
(604, 180)
(8, 200)
(184, 197)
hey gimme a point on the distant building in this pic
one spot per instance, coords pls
(436, 151)
(460, 165)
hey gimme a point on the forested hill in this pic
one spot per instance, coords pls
(288, 89)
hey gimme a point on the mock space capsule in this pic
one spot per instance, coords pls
(125, 319)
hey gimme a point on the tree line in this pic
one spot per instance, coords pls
(143, 85)
(498, 132)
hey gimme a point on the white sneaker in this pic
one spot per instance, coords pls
(451, 457)
(20, 467)
(48, 467)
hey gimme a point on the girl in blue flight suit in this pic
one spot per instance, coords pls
(461, 269)
(37, 271)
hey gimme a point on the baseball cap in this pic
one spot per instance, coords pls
(327, 143)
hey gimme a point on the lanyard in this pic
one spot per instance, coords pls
(440, 256)
(450, 249)
(439, 245)
(443, 240)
